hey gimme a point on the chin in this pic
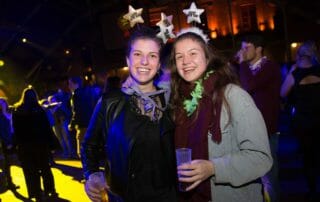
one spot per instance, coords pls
(190, 78)
(144, 82)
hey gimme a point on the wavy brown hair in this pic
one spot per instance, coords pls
(225, 73)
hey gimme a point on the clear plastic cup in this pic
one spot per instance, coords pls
(183, 155)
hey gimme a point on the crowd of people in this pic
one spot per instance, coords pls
(37, 131)
(226, 112)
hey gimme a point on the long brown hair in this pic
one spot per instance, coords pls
(223, 70)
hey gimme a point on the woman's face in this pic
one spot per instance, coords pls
(190, 59)
(144, 61)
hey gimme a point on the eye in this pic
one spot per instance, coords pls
(193, 53)
(136, 54)
(178, 57)
(154, 56)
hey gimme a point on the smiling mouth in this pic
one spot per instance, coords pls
(143, 70)
(188, 70)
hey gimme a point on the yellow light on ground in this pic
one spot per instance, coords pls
(24, 40)
(67, 187)
(1, 63)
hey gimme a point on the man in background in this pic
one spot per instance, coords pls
(83, 101)
(261, 78)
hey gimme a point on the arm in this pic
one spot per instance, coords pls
(288, 83)
(71, 125)
(93, 141)
(243, 163)
(90, 152)
(250, 158)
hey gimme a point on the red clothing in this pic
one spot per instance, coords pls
(264, 87)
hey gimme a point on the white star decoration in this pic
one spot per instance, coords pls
(193, 13)
(166, 28)
(134, 16)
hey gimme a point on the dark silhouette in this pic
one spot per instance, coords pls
(33, 136)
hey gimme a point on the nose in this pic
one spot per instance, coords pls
(186, 60)
(144, 60)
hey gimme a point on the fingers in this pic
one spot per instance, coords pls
(93, 193)
(196, 171)
(194, 185)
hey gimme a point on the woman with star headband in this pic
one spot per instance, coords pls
(220, 123)
(134, 128)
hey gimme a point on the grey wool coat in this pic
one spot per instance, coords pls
(243, 155)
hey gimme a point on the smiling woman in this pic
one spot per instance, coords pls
(214, 117)
(134, 123)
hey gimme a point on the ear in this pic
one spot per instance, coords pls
(127, 60)
(259, 50)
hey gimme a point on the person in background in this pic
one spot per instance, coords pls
(302, 83)
(33, 136)
(138, 140)
(63, 115)
(261, 78)
(83, 101)
(60, 128)
(219, 121)
(6, 140)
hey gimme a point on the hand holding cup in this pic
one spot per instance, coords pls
(96, 187)
(183, 156)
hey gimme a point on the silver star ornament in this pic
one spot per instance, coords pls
(166, 28)
(193, 13)
(134, 16)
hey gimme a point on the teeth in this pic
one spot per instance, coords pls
(143, 70)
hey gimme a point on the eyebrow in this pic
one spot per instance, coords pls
(153, 52)
(192, 49)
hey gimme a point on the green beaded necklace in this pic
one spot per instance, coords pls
(190, 105)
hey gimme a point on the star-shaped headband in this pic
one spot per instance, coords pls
(166, 28)
(196, 31)
(193, 13)
(165, 24)
(134, 16)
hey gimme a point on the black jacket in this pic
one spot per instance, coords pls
(118, 148)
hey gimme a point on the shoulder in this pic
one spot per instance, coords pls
(271, 62)
(238, 99)
(235, 94)
(113, 94)
(112, 98)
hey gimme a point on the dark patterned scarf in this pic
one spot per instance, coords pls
(192, 132)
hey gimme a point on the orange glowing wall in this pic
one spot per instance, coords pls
(265, 13)
(219, 20)
(217, 13)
